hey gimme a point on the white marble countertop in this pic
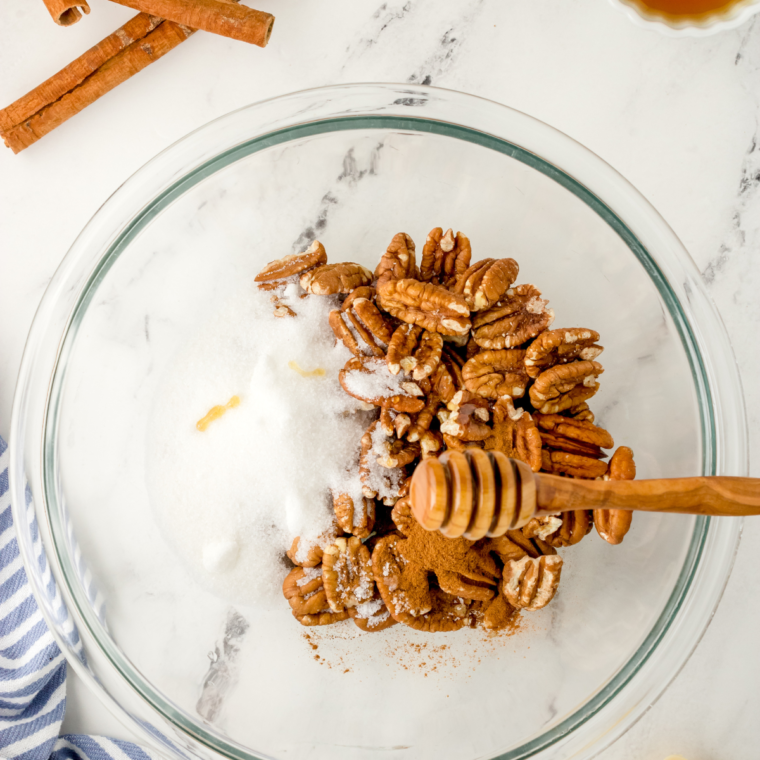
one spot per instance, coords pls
(678, 118)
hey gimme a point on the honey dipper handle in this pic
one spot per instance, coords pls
(717, 495)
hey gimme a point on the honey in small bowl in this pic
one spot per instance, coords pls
(680, 9)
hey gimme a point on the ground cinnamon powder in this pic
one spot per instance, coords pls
(435, 552)
(429, 552)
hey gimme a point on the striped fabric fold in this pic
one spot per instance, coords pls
(32, 667)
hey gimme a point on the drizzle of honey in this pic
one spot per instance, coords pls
(318, 372)
(216, 412)
(687, 8)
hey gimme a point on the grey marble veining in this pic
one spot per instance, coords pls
(353, 171)
(222, 672)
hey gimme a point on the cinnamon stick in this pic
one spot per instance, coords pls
(217, 16)
(141, 41)
(66, 12)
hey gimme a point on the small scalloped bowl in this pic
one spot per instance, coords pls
(711, 23)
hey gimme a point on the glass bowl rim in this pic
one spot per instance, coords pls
(74, 593)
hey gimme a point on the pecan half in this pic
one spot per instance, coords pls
(363, 291)
(358, 521)
(422, 421)
(565, 386)
(305, 592)
(296, 264)
(402, 343)
(492, 374)
(506, 549)
(463, 396)
(529, 583)
(447, 379)
(443, 384)
(426, 305)
(335, 278)
(369, 317)
(367, 379)
(573, 435)
(361, 327)
(445, 257)
(393, 453)
(401, 425)
(377, 481)
(311, 556)
(486, 281)
(566, 529)
(347, 574)
(372, 616)
(414, 350)
(613, 524)
(559, 443)
(457, 444)
(467, 422)
(577, 465)
(430, 443)
(398, 262)
(498, 613)
(533, 547)
(515, 434)
(561, 347)
(322, 618)
(622, 466)
(457, 585)
(580, 411)
(542, 527)
(519, 316)
(393, 422)
(515, 545)
(407, 594)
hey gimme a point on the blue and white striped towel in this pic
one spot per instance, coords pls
(32, 668)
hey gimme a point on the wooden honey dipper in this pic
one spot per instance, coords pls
(478, 493)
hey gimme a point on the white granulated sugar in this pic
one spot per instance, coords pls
(219, 556)
(301, 553)
(385, 480)
(376, 383)
(231, 499)
(368, 609)
(309, 574)
(366, 587)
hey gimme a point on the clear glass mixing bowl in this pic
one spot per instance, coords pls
(352, 165)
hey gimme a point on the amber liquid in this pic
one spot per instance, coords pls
(687, 8)
(216, 412)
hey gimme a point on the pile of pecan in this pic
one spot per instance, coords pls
(450, 355)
